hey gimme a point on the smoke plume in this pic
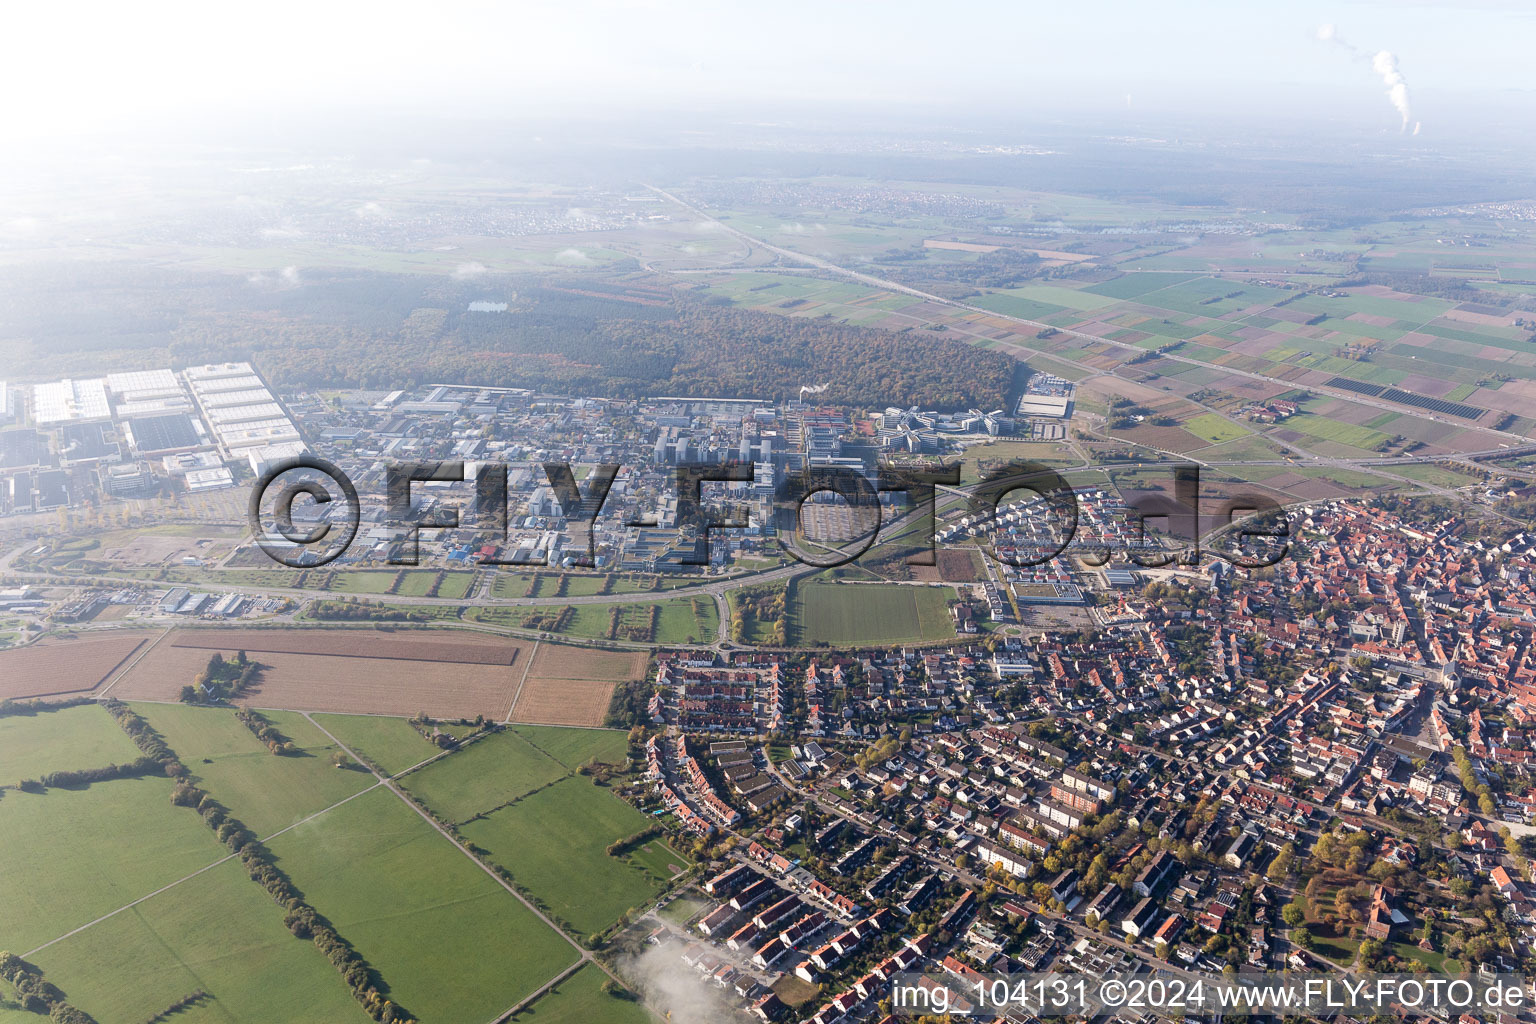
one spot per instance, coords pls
(671, 988)
(1384, 63)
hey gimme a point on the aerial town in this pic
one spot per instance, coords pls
(1080, 765)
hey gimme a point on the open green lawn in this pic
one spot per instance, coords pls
(851, 614)
(218, 932)
(679, 620)
(70, 856)
(453, 945)
(687, 620)
(455, 585)
(84, 736)
(263, 790)
(1214, 428)
(390, 743)
(684, 909)
(486, 774)
(580, 999)
(555, 841)
(362, 582)
(1326, 429)
(418, 583)
(575, 747)
(1437, 476)
(511, 584)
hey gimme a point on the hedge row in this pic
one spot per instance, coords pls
(300, 918)
(38, 995)
(265, 731)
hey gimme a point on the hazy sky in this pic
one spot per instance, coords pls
(74, 67)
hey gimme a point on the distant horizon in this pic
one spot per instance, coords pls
(107, 72)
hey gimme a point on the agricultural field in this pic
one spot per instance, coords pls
(64, 666)
(394, 887)
(874, 613)
(391, 743)
(580, 999)
(217, 933)
(575, 747)
(266, 791)
(73, 738)
(486, 774)
(55, 846)
(1214, 429)
(446, 673)
(130, 904)
(554, 842)
(573, 685)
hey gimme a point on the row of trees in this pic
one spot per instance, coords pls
(68, 779)
(265, 731)
(15, 708)
(431, 729)
(144, 736)
(1471, 783)
(754, 607)
(353, 610)
(186, 1002)
(629, 704)
(300, 917)
(639, 632)
(38, 995)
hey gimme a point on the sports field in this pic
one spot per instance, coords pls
(852, 614)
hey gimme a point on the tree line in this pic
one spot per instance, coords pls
(75, 779)
(15, 708)
(265, 731)
(38, 995)
(299, 917)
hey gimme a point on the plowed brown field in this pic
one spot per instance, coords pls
(73, 666)
(446, 674)
(573, 685)
(460, 647)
